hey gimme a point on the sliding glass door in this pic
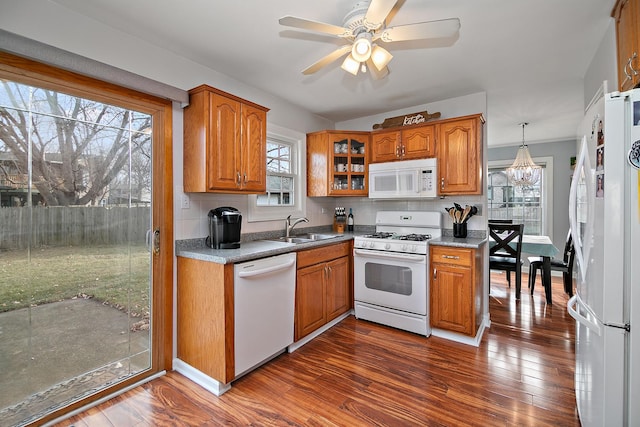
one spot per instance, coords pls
(76, 255)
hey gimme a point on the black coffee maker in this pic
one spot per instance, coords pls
(224, 228)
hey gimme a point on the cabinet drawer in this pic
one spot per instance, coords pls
(449, 255)
(323, 254)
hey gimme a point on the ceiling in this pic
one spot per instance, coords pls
(528, 56)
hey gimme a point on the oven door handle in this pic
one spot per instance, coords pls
(387, 255)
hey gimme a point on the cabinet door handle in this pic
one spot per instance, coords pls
(397, 151)
(402, 151)
(238, 178)
(450, 257)
(245, 178)
(630, 63)
(627, 76)
(434, 273)
(442, 184)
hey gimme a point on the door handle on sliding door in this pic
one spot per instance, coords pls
(156, 241)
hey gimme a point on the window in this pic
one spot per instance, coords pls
(527, 205)
(280, 174)
(285, 166)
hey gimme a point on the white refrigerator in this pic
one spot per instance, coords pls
(604, 214)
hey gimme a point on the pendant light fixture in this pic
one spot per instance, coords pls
(523, 171)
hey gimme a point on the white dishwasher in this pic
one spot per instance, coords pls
(264, 300)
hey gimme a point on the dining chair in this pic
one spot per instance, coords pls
(505, 253)
(565, 265)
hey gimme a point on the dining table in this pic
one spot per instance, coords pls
(543, 247)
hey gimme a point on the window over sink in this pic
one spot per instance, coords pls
(285, 169)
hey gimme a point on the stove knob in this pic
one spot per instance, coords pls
(405, 247)
(414, 248)
(387, 246)
(371, 245)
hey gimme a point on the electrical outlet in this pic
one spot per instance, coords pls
(323, 210)
(186, 203)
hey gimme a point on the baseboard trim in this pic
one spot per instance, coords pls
(296, 345)
(200, 378)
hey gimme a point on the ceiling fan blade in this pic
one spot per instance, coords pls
(341, 51)
(377, 13)
(319, 27)
(421, 30)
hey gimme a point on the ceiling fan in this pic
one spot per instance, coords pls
(363, 28)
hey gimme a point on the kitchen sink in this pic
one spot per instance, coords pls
(316, 236)
(304, 238)
(291, 240)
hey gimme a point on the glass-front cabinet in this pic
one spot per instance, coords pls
(337, 163)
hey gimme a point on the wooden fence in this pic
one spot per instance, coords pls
(21, 227)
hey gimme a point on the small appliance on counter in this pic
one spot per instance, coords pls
(224, 228)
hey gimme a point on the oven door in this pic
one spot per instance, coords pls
(391, 279)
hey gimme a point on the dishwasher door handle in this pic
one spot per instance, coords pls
(270, 269)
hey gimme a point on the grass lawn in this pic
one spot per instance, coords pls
(115, 275)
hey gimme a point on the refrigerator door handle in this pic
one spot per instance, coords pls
(581, 242)
(573, 312)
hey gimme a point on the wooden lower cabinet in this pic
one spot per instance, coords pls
(323, 287)
(455, 291)
(205, 317)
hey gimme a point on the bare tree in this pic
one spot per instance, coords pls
(78, 146)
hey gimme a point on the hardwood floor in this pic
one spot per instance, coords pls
(360, 373)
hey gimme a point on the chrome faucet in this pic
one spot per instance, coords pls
(289, 225)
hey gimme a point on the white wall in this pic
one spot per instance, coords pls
(602, 66)
(453, 107)
(54, 25)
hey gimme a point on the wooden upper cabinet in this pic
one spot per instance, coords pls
(406, 144)
(385, 146)
(460, 156)
(224, 148)
(625, 13)
(224, 143)
(254, 148)
(337, 163)
(418, 143)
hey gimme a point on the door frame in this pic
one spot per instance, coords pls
(26, 71)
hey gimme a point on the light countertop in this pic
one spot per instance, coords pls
(468, 242)
(252, 249)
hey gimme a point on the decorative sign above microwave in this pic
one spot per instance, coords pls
(408, 119)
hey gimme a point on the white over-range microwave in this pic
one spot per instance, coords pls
(405, 179)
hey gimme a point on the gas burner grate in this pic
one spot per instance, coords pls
(380, 235)
(416, 237)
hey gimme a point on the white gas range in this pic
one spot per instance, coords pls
(391, 284)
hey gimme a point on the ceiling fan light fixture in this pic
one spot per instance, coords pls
(375, 73)
(350, 65)
(361, 50)
(380, 57)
